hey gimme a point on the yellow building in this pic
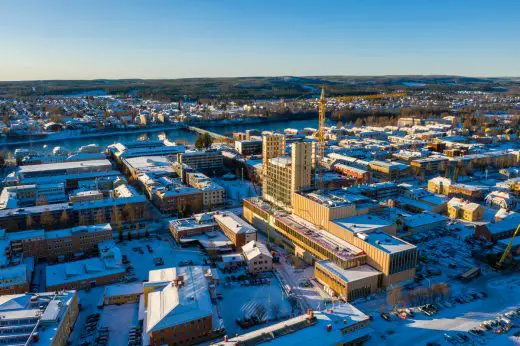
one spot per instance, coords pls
(348, 284)
(288, 174)
(439, 185)
(394, 257)
(388, 171)
(429, 165)
(461, 209)
(368, 239)
(317, 209)
(123, 293)
(445, 186)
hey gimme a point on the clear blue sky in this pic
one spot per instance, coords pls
(69, 39)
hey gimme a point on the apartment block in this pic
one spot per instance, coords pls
(289, 174)
(43, 319)
(465, 210)
(210, 162)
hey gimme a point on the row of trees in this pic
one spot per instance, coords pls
(48, 220)
(129, 235)
(203, 141)
(418, 296)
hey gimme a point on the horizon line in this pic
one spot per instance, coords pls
(263, 76)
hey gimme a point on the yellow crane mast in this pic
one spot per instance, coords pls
(508, 248)
(321, 137)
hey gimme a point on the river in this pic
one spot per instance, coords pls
(172, 135)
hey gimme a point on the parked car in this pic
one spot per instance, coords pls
(385, 316)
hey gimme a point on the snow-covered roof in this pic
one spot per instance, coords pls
(13, 276)
(233, 222)
(253, 249)
(351, 274)
(91, 164)
(123, 289)
(508, 223)
(177, 303)
(86, 269)
(363, 223)
(47, 307)
(422, 219)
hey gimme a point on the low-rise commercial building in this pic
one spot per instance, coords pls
(446, 187)
(388, 171)
(192, 226)
(123, 293)
(420, 223)
(125, 150)
(361, 176)
(235, 228)
(96, 271)
(348, 284)
(14, 279)
(68, 173)
(257, 256)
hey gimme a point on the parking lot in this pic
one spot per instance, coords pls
(256, 302)
(458, 318)
(158, 251)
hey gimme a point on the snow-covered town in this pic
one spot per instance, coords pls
(343, 234)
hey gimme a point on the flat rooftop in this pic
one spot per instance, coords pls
(86, 269)
(385, 242)
(64, 165)
(149, 163)
(191, 223)
(234, 222)
(123, 289)
(351, 274)
(363, 223)
(48, 308)
(335, 245)
(336, 198)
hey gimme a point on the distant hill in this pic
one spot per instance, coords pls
(253, 87)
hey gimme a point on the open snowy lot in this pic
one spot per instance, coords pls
(503, 294)
(268, 301)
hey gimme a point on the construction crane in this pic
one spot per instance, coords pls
(321, 138)
(500, 263)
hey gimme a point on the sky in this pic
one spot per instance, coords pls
(112, 39)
